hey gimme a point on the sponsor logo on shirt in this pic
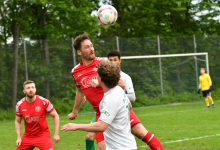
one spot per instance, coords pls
(37, 109)
(24, 109)
(30, 119)
(95, 69)
(105, 112)
(85, 81)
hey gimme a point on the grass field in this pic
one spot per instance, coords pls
(179, 127)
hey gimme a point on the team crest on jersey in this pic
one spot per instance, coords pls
(37, 109)
(95, 69)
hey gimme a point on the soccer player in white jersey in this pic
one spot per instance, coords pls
(114, 107)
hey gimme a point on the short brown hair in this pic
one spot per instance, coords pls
(109, 73)
(27, 82)
(202, 68)
(79, 39)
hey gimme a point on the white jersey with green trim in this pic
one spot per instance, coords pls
(128, 82)
(115, 111)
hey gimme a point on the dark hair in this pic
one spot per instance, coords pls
(79, 39)
(27, 82)
(114, 53)
(109, 73)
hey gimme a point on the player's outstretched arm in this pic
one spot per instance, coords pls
(18, 130)
(79, 99)
(99, 126)
(56, 121)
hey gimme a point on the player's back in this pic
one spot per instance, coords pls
(115, 108)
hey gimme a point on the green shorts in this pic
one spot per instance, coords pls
(93, 119)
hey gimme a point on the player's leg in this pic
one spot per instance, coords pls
(43, 142)
(26, 144)
(100, 137)
(204, 93)
(211, 100)
(90, 137)
(100, 141)
(140, 131)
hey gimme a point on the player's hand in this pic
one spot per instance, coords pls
(130, 106)
(84, 99)
(72, 116)
(94, 83)
(198, 91)
(18, 142)
(69, 126)
(56, 138)
(210, 89)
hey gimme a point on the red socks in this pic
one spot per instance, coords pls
(152, 142)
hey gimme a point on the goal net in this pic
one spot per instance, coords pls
(174, 80)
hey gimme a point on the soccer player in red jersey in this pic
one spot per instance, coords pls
(33, 109)
(83, 75)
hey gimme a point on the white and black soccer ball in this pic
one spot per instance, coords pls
(107, 15)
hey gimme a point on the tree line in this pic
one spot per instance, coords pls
(52, 24)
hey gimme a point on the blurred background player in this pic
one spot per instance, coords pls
(205, 83)
(33, 109)
(115, 115)
(82, 74)
(136, 126)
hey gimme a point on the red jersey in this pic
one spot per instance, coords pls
(34, 115)
(82, 75)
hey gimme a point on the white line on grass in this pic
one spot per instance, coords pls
(169, 112)
(187, 139)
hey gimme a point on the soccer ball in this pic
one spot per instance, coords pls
(107, 15)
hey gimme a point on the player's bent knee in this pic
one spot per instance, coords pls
(101, 145)
(90, 136)
(139, 131)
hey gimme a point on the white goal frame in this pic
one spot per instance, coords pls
(174, 55)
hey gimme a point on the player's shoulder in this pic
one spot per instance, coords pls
(75, 68)
(98, 58)
(20, 102)
(42, 99)
(125, 75)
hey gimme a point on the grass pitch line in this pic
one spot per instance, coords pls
(170, 112)
(188, 139)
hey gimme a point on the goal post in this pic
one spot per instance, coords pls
(194, 55)
(177, 72)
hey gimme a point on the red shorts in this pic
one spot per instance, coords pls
(133, 119)
(42, 142)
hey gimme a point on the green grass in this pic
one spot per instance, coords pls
(168, 123)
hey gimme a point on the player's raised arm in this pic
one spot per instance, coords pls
(79, 99)
(56, 121)
(18, 130)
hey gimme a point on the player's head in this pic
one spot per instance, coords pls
(29, 88)
(108, 73)
(202, 70)
(114, 56)
(84, 47)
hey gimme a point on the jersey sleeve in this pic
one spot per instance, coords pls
(108, 111)
(49, 107)
(18, 113)
(210, 81)
(76, 82)
(129, 85)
